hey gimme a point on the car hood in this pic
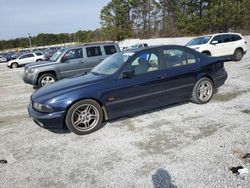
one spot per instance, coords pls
(66, 85)
(39, 64)
(195, 47)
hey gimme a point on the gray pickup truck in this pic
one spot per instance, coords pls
(67, 62)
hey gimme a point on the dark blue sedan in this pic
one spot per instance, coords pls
(126, 83)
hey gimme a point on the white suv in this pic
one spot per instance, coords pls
(228, 45)
(26, 59)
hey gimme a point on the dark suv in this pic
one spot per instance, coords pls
(67, 62)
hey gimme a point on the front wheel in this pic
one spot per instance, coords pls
(14, 65)
(46, 79)
(202, 91)
(84, 117)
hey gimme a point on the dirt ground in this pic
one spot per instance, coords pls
(187, 145)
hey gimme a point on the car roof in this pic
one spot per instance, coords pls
(91, 44)
(219, 34)
(153, 47)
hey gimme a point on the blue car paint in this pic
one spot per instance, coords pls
(120, 96)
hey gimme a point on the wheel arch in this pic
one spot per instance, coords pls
(207, 52)
(46, 72)
(239, 48)
(13, 63)
(200, 76)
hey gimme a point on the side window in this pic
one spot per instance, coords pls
(73, 54)
(26, 56)
(177, 57)
(39, 53)
(217, 38)
(236, 37)
(146, 62)
(110, 49)
(227, 38)
(93, 51)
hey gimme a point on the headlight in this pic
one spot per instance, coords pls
(29, 71)
(42, 107)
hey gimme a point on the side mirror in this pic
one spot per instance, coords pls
(128, 74)
(214, 42)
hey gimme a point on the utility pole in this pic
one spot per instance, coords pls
(29, 40)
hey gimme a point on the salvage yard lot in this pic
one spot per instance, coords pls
(194, 144)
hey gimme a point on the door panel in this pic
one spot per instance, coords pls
(142, 91)
(138, 93)
(182, 67)
(73, 63)
(219, 48)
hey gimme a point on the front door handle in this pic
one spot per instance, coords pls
(160, 77)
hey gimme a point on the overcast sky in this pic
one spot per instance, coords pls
(20, 17)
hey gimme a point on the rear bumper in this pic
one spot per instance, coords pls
(220, 80)
(54, 120)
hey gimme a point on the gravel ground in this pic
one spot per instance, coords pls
(187, 145)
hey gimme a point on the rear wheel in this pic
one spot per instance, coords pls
(46, 79)
(84, 117)
(14, 65)
(238, 54)
(202, 91)
(38, 60)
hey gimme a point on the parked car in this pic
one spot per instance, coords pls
(26, 59)
(227, 45)
(126, 83)
(68, 62)
(2, 59)
(136, 46)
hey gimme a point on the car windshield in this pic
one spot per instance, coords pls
(111, 64)
(56, 55)
(199, 41)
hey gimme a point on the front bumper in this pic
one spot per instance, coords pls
(53, 120)
(29, 79)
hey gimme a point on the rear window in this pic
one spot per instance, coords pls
(110, 49)
(93, 51)
(236, 37)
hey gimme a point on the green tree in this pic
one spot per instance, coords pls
(115, 20)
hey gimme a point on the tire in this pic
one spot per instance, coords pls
(46, 79)
(238, 54)
(207, 53)
(14, 65)
(78, 118)
(203, 91)
(38, 60)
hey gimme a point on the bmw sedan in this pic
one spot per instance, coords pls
(126, 83)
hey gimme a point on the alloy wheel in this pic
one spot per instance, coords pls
(46, 80)
(85, 117)
(205, 91)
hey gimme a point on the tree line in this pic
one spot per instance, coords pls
(121, 19)
(165, 18)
